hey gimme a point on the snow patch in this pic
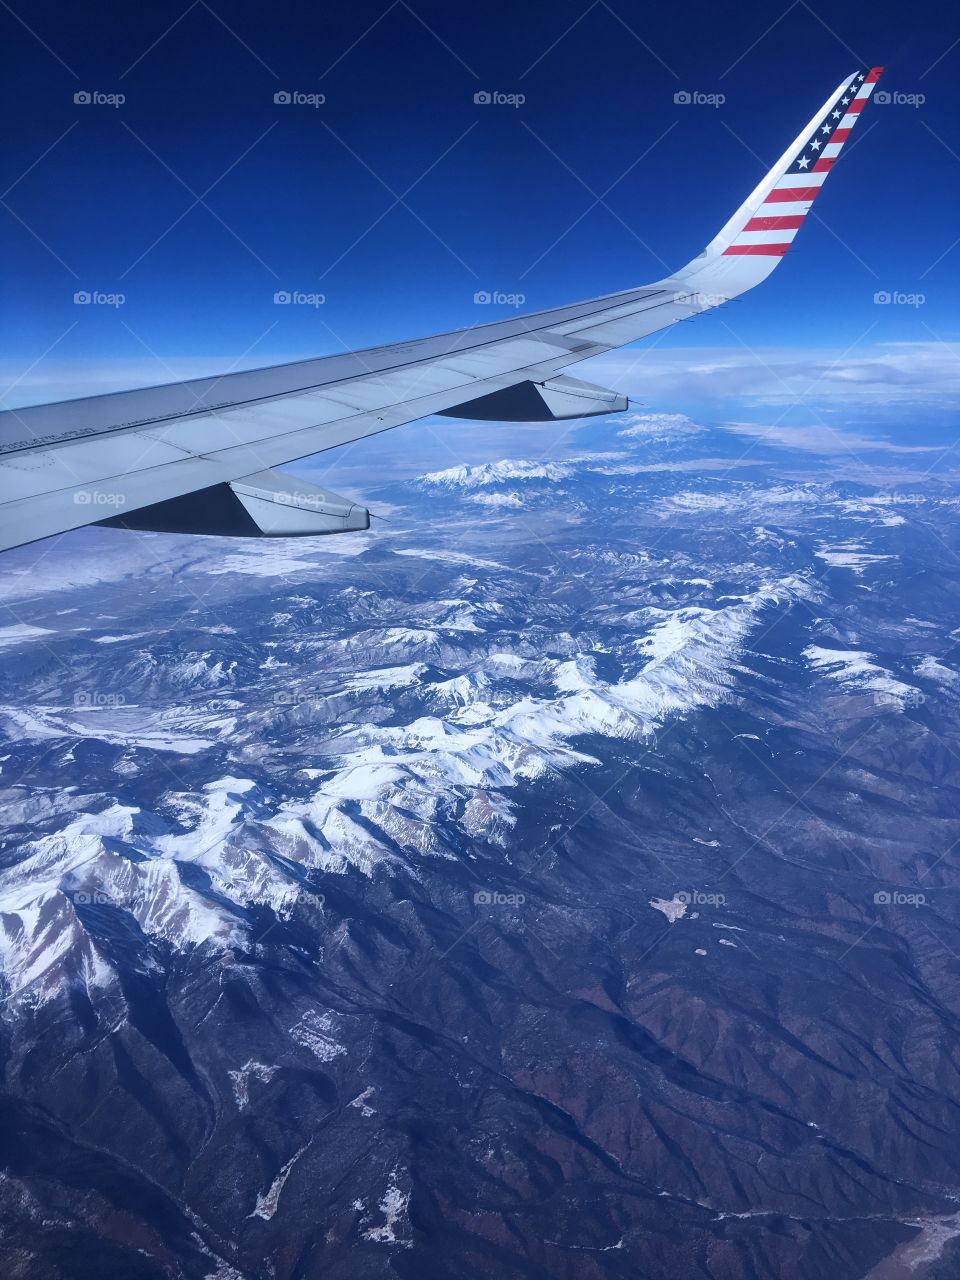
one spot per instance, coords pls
(313, 1031)
(931, 669)
(448, 557)
(267, 1203)
(670, 907)
(393, 1206)
(21, 633)
(241, 1080)
(849, 555)
(489, 473)
(360, 1102)
(858, 671)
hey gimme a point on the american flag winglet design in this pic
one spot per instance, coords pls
(770, 232)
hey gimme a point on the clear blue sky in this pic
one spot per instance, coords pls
(503, 197)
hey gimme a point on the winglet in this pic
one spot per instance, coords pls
(751, 243)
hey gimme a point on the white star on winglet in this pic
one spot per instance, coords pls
(844, 101)
(825, 129)
(836, 115)
(803, 162)
(815, 146)
(860, 77)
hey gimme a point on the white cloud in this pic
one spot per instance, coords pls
(659, 426)
(902, 373)
(824, 439)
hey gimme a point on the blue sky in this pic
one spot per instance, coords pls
(400, 197)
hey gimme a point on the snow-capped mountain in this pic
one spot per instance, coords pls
(509, 888)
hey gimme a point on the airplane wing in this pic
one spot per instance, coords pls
(198, 456)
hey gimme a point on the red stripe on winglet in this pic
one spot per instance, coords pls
(822, 166)
(874, 76)
(840, 135)
(758, 250)
(856, 105)
(787, 194)
(775, 222)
